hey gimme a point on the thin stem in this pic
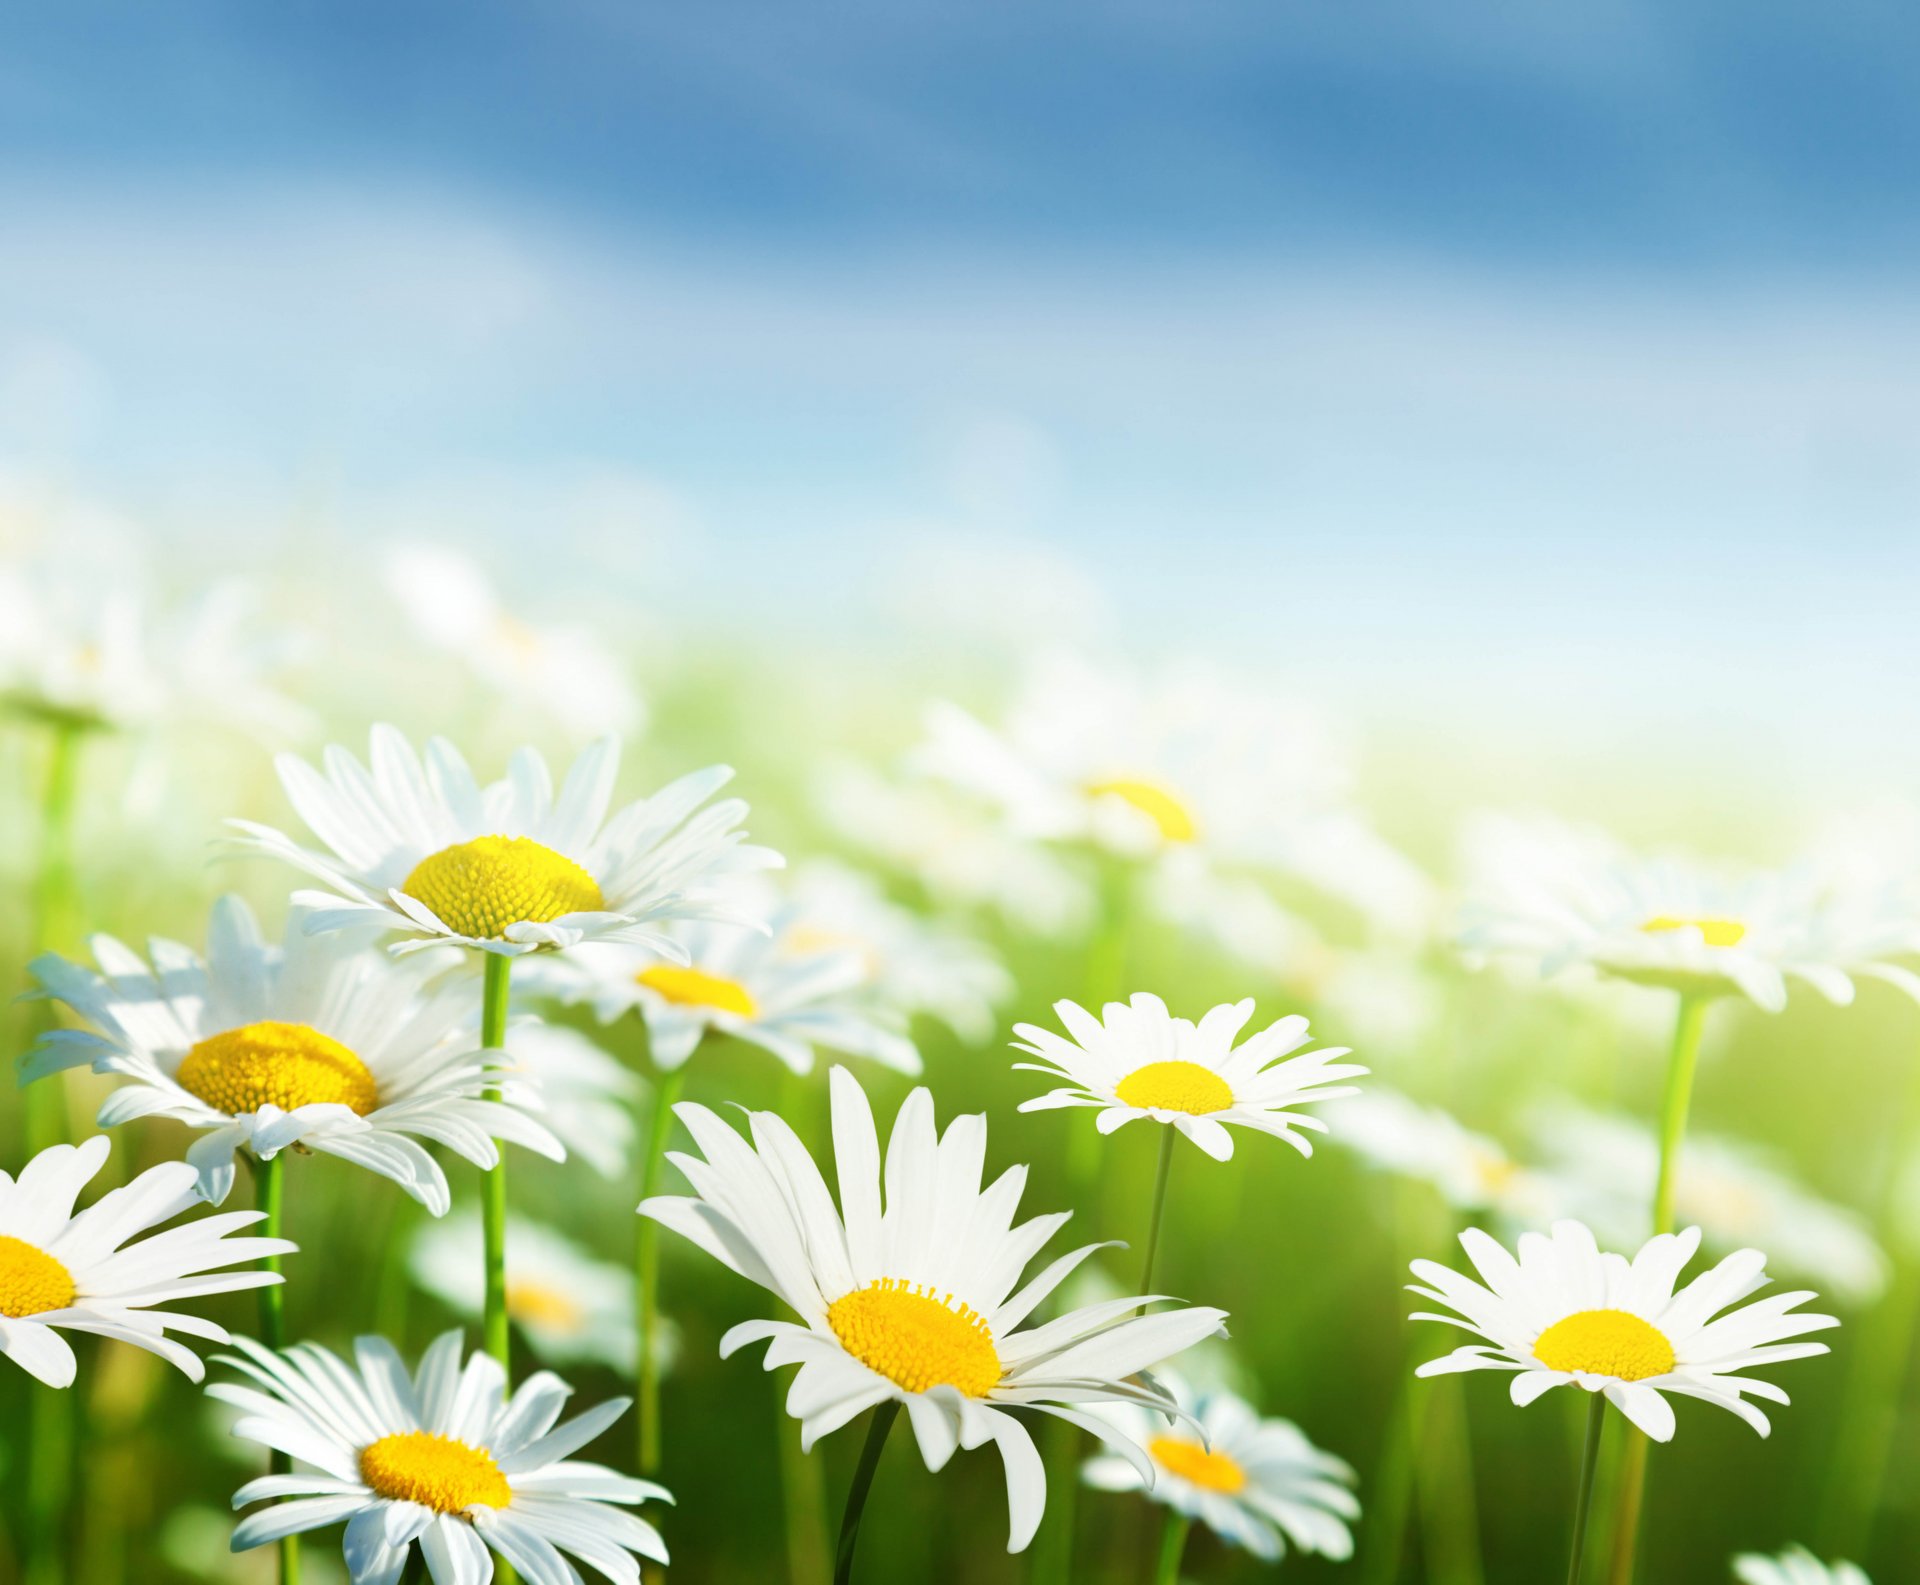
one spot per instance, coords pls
(1630, 1494)
(1589, 1459)
(1159, 1206)
(269, 1178)
(666, 1092)
(1173, 1547)
(493, 1187)
(877, 1428)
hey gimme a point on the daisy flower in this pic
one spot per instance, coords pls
(509, 868)
(586, 1097)
(568, 1305)
(1255, 1482)
(1795, 1566)
(62, 1271)
(1471, 1171)
(319, 1043)
(1563, 1312)
(760, 985)
(917, 1302)
(1138, 1060)
(1563, 897)
(444, 1457)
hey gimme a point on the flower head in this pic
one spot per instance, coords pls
(321, 1042)
(1564, 1313)
(1471, 1171)
(1138, 1060)
(920, 1300)
(76, 1272)
(1795, 1566)
(444, 1456)
(508, 868)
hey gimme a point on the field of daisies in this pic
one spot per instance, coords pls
(502, 1100)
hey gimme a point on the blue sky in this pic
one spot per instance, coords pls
(1559, 358)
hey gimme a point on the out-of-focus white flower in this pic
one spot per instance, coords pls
(569, 1305)
(1237, 914)
(1607, 1164)
(1565, 896)
(587, 1096)
(751, 984)
(558, 673)
(1795, 1566)
(952, 849)
(1255, 1482)
(1182, 763)
(1471, 1171)
(912, 965)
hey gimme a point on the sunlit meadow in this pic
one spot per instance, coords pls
(557, 925)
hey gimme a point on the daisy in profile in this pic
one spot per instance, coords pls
(443, 1457)
(67, 1271)
(1795, 1566)
(510, 868)
(1561, 1313)
(1139, 1061)
(1255, 1482)
(568, 1305)
(1471, 1171)
(318, 1043)
(915, 1301)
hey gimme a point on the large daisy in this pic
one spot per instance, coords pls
(917, 1301)
(443, 1457)
(508, 868)
(76, 1272)
(1563, 1313)
(1138, 1060)
(764, 985)
(1795, 1566)
(321, 1042)
(1253, 1481)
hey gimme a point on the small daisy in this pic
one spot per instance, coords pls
(61, 1271)
(1255, 1482)
(1471, 1171)
(1565, 896)
(568, 1305)
(444, 1457)
(320, 1043)
(917, 1303)
(759, 985)
(1563, 1312)
(1141, 1061)
(1795, 1566)
(586, 1097)
(509, 868)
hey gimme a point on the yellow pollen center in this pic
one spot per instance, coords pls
(31, 1280)
(285, 1065)
(533, 1303)
(1605, 1343)
(1192, 1462)
(696, 988)
(1172, 817)
(478, 888)
(435, 1471)
(1175, 1087)
(1715, 932)
(916, 1339)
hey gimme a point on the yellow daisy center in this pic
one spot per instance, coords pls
(1172, 817)
(1175, 1087)
(534, 1303)
(1715, 932)
(687, 987)
(1213, 1471)
(435, 1471)
(286, 1065)
(1605, 1343)
(478, 888)
(31, 1280)
(915, 1339)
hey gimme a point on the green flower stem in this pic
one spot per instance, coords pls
(1173, 1547)
(493, 1187)
(877, 1428)
(1167, 1133)
(269, 1179)
(1630, 1494)
(1583, 1505)
(646, 1368)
